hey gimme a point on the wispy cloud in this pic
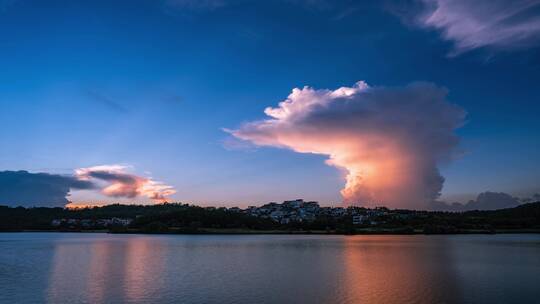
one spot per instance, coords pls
(231, 143)
(106, 101)
(496, 24)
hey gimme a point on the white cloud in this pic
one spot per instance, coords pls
(120, 183)
(472, 24)
(388, 141)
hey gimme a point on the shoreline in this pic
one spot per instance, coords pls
(284, 232)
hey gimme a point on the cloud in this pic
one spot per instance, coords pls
(234, 144)
(388, 141)
(484, 201)
(497, 24)
(118, 183)
(22, 188)
(106, 101)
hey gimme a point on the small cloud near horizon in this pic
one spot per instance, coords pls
(26, 189)
(484, 201)
(121, 184)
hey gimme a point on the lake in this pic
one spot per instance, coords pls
(108, 268)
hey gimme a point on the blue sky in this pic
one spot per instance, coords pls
(151, 84)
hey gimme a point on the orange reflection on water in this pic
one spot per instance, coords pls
(125, 269)
(80, 272)
(391, 269)
(144, 266)
(329, 269)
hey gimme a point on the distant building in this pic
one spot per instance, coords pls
(293, 204)
(338, 212)
(276, 215)
(89, 223)
(359, 219)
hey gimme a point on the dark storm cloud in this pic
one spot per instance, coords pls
(22, 188)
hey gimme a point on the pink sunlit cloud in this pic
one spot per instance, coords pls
(117, 182)
(388, 141)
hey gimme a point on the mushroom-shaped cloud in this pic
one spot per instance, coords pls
(388, 140)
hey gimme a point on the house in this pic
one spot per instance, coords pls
(293, 204)
(338, 212)
(359, 219)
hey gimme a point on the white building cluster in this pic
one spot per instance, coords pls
(299, 210)
(90, 223)
(290, 211)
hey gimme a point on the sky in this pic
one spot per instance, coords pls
(151, 101)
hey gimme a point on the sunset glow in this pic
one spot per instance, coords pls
(286, 151)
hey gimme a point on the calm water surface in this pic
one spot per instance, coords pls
(103, 268)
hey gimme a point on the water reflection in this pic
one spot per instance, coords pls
(398, 269)
(93, 272)
(144, 269)
(63, 284)
(83, 271)
(101, 268)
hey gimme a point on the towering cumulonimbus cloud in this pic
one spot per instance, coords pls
(389, 141)
(120, 183)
